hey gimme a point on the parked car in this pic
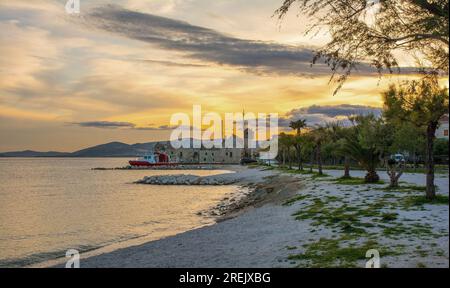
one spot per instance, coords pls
(398, 158)
(245, 161)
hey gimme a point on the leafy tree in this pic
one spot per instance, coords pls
(441, 147)
(421, 103)
(408, 138)
(372, 31)
(308, 149)
(337, 134)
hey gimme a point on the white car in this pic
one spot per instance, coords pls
(399, 158)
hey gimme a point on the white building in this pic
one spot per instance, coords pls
(442, 131)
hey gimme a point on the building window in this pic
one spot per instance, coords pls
(231, 154)
(445, 132)
(204, 159)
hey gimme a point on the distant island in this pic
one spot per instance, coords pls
(113, 149)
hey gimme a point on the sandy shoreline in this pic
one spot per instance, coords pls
(269, 236)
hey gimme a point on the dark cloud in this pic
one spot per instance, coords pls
(210, 45)
(317, 115)
(120, 125)
(105, 124)
(205, 44)
(173, 64)
(160, 128)
(336, 110)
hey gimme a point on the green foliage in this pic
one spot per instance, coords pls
(409, 138)
(441, 147)
(373, 31)
(421, 103)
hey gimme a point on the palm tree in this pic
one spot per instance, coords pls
(365, 143)
(367, 157)
(298, 126)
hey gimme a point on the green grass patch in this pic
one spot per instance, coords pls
(421, 200)
(387, 217)
(353, 181)
(345, 218)
(291, 201)
(317, 175)
(421, 265)
(328, 253)
(404, 188)
(314, 174)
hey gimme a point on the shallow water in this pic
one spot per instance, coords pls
(50, 205)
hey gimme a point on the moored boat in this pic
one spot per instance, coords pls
(153, 159)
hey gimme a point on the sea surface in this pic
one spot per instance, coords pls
(50, 205)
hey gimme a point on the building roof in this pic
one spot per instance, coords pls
(444, 119)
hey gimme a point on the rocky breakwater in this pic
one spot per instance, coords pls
(183, 179)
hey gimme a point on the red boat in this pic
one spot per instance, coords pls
(155, 159)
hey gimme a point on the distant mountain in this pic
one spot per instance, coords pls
(29, 153)
(113, 149)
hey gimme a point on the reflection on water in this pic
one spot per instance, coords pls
(48, 205)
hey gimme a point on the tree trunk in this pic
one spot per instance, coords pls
(312, 161)
(395, 172)
(319, 159)
(431, 191)
(346, 167)
(299, 159)
(290, 159)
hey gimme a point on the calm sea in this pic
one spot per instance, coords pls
(50, 205)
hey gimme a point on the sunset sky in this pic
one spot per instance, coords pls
(120, 69)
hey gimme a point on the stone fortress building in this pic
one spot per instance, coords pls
(208, 156)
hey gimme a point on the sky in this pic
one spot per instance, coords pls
(118, 70)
